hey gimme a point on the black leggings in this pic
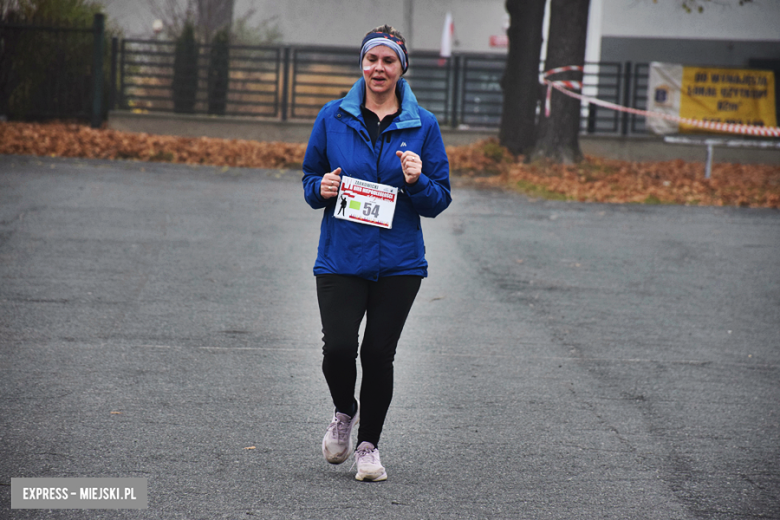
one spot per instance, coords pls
(344, 300)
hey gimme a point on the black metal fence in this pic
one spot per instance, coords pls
(63, 78)
(50, 71)
(146, 78)
(318, 75)
(293, 82)
(639, 96)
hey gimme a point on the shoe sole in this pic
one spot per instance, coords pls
(338, 458)
(369, 478)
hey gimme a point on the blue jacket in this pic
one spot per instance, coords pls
(340, 139)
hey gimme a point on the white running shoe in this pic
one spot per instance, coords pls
(337, 444)
(369, 467)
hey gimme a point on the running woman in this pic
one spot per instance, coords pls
(376, 133)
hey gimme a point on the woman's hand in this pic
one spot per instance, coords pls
(411, 164)
(329, 187)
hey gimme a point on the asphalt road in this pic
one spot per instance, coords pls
(562, 361)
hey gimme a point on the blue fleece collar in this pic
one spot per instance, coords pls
(410, 115)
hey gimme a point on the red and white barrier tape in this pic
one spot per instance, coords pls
(563, 86)
(574, 85)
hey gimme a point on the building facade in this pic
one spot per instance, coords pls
(725, 34)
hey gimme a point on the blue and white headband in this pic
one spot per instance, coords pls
(396, 44)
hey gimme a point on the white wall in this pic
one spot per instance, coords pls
(721, 20)
(134, 17)
(475, 21)
(344, 22)
(324, 22)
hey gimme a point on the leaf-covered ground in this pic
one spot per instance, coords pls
(483, 164)
(73, 140)
(603, 180)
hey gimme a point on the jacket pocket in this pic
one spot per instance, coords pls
(326, 234)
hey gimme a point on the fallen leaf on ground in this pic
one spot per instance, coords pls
(484, 163)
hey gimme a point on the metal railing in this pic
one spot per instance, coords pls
(321, 74)
(604, 81)
(480, 86)
(50, 71)
(146, 79)
(639, 96)
(294, 82)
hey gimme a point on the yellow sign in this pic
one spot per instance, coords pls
(737, 96)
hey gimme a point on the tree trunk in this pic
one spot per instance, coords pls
(521, 75)
(185, 71)
(213, 16)
(219, 72)
(558, 135)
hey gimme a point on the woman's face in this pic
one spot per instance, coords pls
(381, 69)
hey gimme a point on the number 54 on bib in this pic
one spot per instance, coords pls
(366, 202)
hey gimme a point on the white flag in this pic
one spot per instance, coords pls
(446, 37)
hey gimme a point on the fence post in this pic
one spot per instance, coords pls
(592, 118)
(98, 24)
(455, 81)
(285, 81)
(626, 96)
(635, 95)
(114, 56)
(122, 75)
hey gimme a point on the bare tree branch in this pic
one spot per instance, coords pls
(698, 5)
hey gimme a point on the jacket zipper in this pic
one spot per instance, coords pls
(381, 147)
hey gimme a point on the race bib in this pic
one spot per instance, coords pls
(366, 202)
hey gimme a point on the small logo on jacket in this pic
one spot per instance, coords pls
(403, 144)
